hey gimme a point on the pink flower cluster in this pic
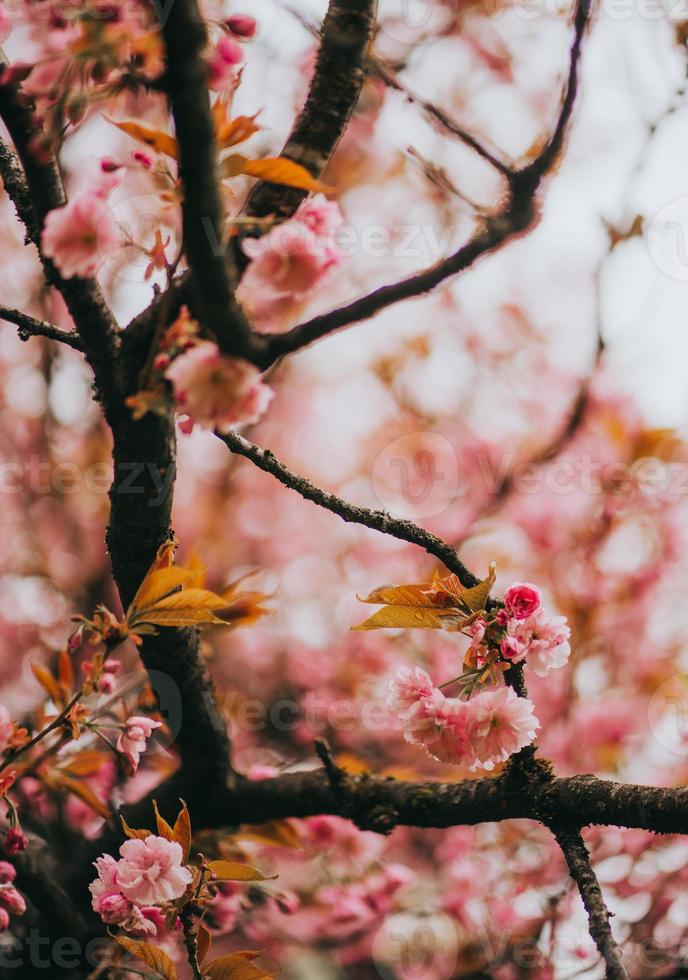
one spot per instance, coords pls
(531, 634)
(217, 392)
(11, 902)
(290, 261)
(478, 733)
(80, 234)
(227, 54)
(132, 739)
(149, 873)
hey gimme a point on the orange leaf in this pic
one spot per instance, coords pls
(235, 871)
(280, 833)
(86, 763)
(229, 132)
(83, 791)
(276, 170)
(65, 670)
(182, 830)
(204, 941)
(155, 138)
(47, 682)
(164, 829)
(135, 834)
(151, 955)
(234, 966)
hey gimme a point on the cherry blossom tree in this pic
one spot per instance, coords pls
(343, 234)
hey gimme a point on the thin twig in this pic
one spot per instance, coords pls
(516, 217)
(580, 869)
(376, 520)
(29, 327)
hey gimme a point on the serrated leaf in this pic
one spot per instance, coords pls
(81, 790)
(155, 138)
(204, 941)
(182, 830)
(135, 834)
(164, 829)
(423, 595)
(151, 955)
(86, 763)
(279, 833)
(230, 132)
(476, 598)
(235, 871)
(275, 170)
(47, 682)
(65, 670)
(405, 617)
(234, 966)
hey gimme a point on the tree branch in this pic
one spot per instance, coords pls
(495, 231)
(332, 97)
(43, 182)
(29, 326)
(334, 91)
(376, 520)
(214, 273)
(580, 869)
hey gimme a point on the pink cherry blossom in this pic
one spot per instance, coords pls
(11, 900)
(223, 62)
(217, 392)
(106, 898)
(243, 25)
(499, 724)
(4, 919)
(7, 873)
(79, 234)
(542, 640)
(132, 740)
(290, 262)
(151, 871)
(408, 686)
(521, 600)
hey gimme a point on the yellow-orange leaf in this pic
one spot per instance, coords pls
(182, 830)
(280, 833)
(135, 834)
(204, 941)
(151, 955)
(155, 138)
(424, 595)
(234, 966)
(235, 871)
(83, 791)
(276, 170)
(442, 604)
(164, 829)
(407, 618)
(86, 763)
(47, 682)
(65, 670)
(230, 132)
